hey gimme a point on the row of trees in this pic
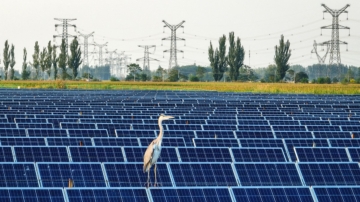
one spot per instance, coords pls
(45, 63)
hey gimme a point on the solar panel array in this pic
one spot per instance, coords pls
(61, 145)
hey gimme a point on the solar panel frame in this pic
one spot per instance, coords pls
(205, 154)
(32, 194)
(216, 142)
(23, 141)
(21, 175)
(68, 141)
(35, 154)
(257, 154)
(87, 133)
(338, 193)
(321, 154)
(116, 141)
(54, 132)
(96, 154)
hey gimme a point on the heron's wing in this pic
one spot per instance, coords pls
(148, 156)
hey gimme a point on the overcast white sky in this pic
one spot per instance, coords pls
(125, 24)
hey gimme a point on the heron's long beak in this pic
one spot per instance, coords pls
(169, 117)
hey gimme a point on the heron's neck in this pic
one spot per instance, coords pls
(160, 136)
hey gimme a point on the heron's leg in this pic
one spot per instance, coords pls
(155, 175)
(148, 180)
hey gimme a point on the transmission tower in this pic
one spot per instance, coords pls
(146, 58)
(314, 50)
(335, 41)
(110, 60)
(86, 44)
(173, 50)
(65, 24)
(100, 46)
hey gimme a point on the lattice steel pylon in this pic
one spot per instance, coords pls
(335, 40)
(86, 44)
(100, 46)
(314, 50)
(173, 50)
(65, 34)
(110, 60)
(146, 58)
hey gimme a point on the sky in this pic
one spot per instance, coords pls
(126, 24)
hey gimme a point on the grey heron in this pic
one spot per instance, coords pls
(153, 151)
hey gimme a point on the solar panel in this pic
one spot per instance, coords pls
(283, 194)
(167, 142)
(18, 175)
(87, 132)
(254, 128)
(291, 143)
(65, 141)
(216, 142)
(41, 154)
(189, 127)
(219, 127)
(331, 134)
(121, 141)
(23, 141)
(354, 154)
(190, 121)
(186, 134)
(131, 121)
(350, 128)
(258, 154)
(96, 154)
(111, 127)
(321, 154)
(37, 132)
(331, 174)
(107, 194)
(77, 125)
(293, 134)
(29, 120)
(81, 174)
(136, 154)
(254, 134)
(268, 174)
(31, 194)
(135, 133)
(215, 134)
(185, 194)
(263, 142)
(203, 174)
(12, 132)
(56, 121)
(8, 125)
(332, 194)
(345, 142)
(132, 175)
(204, 154)
(6, 154)
(323, 128)
(288, 128)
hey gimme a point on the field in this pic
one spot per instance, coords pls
(193, 86)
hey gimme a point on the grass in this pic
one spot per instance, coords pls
(192, 86)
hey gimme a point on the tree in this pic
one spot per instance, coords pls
(25, 73)
(133, 69)
(291, 73)
(301, 77)
(63, 60)
(235, 57)
(200, 72)
(48, 60)
(36, 59)
(43, 61)
(281, 58)
(54, 61)
(218, 59)
(160, 72)
(214, 62)
(12, 62)
(75, 58)
(222, 57)
(6, 58)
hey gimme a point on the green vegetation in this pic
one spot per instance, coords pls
(282, 56)
(6, 58)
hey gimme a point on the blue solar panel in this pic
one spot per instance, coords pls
(72, 141)
(41, 154)
(121, 141)
(219, 127)
(77, 125)
(268, 174)
(330, 173)
(184, 194)
(136, 154)
(321, 154)
(37, 120)
(18, 175)
(204, 154)
(96, 154)
(203, 174)
(216, 142)
(263, 142)
(186, 134)
(23, 141)
(47, 132)
(107, 195)
(12, 132)
(56, 121)
(8, 125)
(87, 133)
(345, 142)
(288, 128)
(293, 134)
(189, 127)
(190, 121)
(167, 142)
(333, 194)
(135, 133)
(215, 134)
(354, 154)
(82, 174)
(254, 127)
(6, 154)
(254, 134)
(132, 175)
(291, 143)
(277, 194)
(32, 194)
(258, 154)
(323, 128)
